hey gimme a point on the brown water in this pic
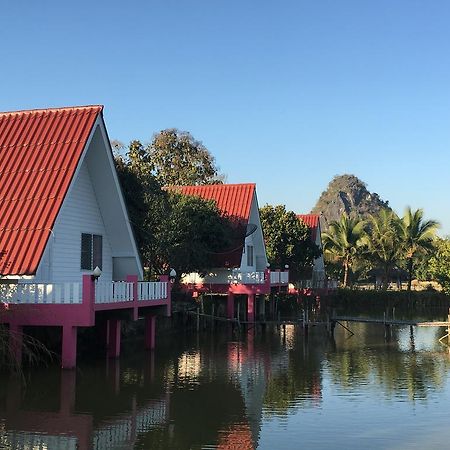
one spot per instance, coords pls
(272, 390)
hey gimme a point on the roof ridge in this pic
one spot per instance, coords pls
(62, 108)
(211, 185)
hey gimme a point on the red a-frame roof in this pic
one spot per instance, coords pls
(312, 221)
(39, 153)
(235, 201)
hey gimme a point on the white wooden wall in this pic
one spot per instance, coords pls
(255, 239)
(80, 213)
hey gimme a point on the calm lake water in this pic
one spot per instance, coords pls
(271, 390)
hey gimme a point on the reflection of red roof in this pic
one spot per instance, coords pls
(238, 438)
(312, 221)
(235, 201)
(39, 152)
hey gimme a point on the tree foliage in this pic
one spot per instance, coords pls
(382, 243)
(343, 242)
(418, 236)
(439, 264)
(171, 230)
(179, 159)
(288, 240)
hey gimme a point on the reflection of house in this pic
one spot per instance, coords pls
(65, 427)
(312, 221)
(243, 269)
(62, 214)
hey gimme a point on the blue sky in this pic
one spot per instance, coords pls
(286, 94)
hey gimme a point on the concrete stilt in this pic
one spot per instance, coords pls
(251, 307)
(114, 328)
(67, 390)
(230, 306)
(16, 342)
(150, 329)
(69, 347)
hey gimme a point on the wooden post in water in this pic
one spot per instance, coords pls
(306, 320)
(238, 311)
(202, 310)
(198, 319)
(448, 328)
(213, 307)
(332, 322)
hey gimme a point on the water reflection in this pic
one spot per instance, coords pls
(228, 391)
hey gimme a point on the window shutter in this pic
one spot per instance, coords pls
(97, 254)
(86, 251)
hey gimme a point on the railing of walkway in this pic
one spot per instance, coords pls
(41, 293)
(113, 292)
(152, 290)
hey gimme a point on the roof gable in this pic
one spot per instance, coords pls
(312, 221)
(39, 153)
(235, 201)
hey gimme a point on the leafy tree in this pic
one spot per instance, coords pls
(148, 208)
(196, 232)
(178, 159)
(343, 242)
(171, 230)
(288, 240)
(418, 236)
(439, 264)
(382, 242)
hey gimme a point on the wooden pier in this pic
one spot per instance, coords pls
(411, 323)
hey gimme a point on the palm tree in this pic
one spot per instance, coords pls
(342, 242)
(383, 242)
(418, 236)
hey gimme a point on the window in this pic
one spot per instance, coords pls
(249, 255)
(91, 251)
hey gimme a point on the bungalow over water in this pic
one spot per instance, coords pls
(317, 280)
(68, 257)
(244, 268)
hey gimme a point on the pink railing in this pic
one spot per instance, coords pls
(72, 293)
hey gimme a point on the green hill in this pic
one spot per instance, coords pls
(347, 193)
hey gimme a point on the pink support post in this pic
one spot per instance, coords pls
(67, 391)
(267, 280)
(134, 279)
(16, 341)
(230, 305)
(89, 297)
(279, 279)
(165, 278)
(150, 328)
(69, 347)
(114, 326)
(251, 307)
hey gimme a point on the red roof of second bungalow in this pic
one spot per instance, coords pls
(39, 152)
(235, 200)
(312, 221)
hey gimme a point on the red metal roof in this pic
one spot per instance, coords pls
(312, 221)
(39, 152)
(235, 201)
